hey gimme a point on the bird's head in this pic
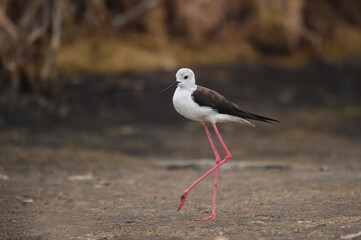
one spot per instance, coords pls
(185, 78)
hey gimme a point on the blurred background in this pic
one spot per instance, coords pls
(93, 67)
(78, 111)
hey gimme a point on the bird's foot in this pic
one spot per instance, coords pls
(183, 199)
(213, 216)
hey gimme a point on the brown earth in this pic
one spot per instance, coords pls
(113, 161)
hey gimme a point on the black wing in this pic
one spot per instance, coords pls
(209, 98)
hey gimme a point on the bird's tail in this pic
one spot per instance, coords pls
(247, 115)
(244, 121)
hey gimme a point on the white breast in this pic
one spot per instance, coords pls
(185, 106)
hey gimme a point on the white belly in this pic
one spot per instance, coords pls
(185, 106)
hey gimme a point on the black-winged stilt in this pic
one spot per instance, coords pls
(205, 105)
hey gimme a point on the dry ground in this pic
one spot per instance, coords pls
(97, 175)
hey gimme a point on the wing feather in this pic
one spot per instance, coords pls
(209, 98)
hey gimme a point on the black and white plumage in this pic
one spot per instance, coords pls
(208, 98)
(205, 105)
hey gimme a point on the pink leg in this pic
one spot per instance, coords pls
(228, 156)
(218, 160)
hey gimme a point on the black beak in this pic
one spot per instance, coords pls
(173, 84)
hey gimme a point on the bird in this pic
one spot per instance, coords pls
(204, 105)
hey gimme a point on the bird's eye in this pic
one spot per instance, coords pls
(185, 77)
